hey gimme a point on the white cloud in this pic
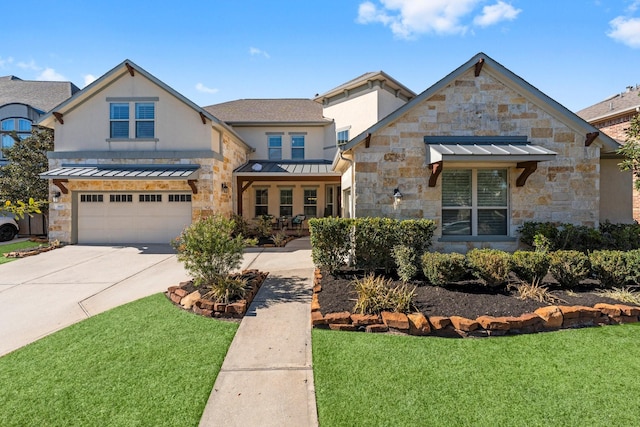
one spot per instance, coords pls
(626, 31)
(253, 51)
(409, 18)
(500, 11)
(634, 6)
(5, 62)
(202, 88)
(28, 65)
(88, 79)
(49, 74)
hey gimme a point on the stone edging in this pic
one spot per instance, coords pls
(543, 319)
(204, 307)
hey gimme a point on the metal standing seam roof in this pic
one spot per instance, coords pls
(322, 167)
(122, 172)
(488, 152)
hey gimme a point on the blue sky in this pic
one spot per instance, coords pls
(578, 52)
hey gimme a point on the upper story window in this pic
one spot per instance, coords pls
(343, 137)
(297, 147)
(275, 147)
(22, 128)
(120, 123)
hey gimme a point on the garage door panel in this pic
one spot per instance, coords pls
(130, 220)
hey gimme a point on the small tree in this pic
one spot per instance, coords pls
(19, 209)
(208, 249)
(631, 151)
(20, 178)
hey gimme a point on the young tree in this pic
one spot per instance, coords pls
(631, 151)
(19, 179)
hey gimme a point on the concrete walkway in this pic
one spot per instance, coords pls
(267, 378)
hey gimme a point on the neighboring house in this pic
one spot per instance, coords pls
(612, 116)
(136, 162)
(481, 152)
(23, 102)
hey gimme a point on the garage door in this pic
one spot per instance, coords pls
(141, 217)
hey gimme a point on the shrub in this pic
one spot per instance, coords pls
(610, 267)
(530, 267)
(375, 294)
(374, 242)
(490, 265)
(621, 294)
(240, 226)
(330, 241)
(405, 258)
(226, 289)
(622, 237)
(569, 267)
(416, 234)
(536, 292)
(262, 228)
(279, 239)
(440, 269)
(208, 249)
(530, 229)
(633, 266)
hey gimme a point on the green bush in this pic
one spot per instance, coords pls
(416, 234)
(610, 267)
(530, 229)
(633, 266)
(490, 265)
(440, 269)
(208, 249)
(226, 289)
(374, 242)
(582, 238)
(569, 267)
(405, 258)
(375, 294)
(530, 267)
(622, 237)
(240, 226)
(330, 241)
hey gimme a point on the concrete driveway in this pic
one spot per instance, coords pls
(47, 292)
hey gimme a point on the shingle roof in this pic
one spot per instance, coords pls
(268, 111)
(614, 105)
(364, 78)
(40, 95)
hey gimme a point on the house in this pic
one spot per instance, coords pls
(136, 162)
(23, 102)
(295, 141)
(481, 152)
(612, 117)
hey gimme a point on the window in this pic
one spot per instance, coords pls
(275, 147)
(297, 147)
(343, 137)
(21, 127)
(119, 116)
(262, 201)
(179, 198)
(145, 116)
(286, 202)
(311, 202)
(91, 198)
(329, 199)
(144, 198)
(474, 202)
(121, 198)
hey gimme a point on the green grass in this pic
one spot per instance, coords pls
(13, 247)
(566, 378)
(146, 363)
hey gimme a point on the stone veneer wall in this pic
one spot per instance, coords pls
(210, 198)
(564, 190)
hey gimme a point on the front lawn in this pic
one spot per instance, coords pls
(14, 247)
(569, 378)
(144, 363)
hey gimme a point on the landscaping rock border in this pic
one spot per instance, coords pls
(22, 253)
(548, 318)
(188, 298)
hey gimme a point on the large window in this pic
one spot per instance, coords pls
(275, 147)
(474, 202)
(21, 127)
(119, 117)
(297, 147)
(311, 202)
(286, 202)
(262, 201)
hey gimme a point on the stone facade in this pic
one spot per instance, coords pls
(564, 190)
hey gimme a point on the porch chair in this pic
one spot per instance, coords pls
(296, 221)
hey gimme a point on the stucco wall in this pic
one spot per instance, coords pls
(563, 190)
(257, 138)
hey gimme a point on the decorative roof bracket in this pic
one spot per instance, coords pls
(192, 183)
(367, 141)
(203, 118)
(60, 183)
(436, 170)
(529, 168)
(58, 117)
(478, 67)
(591, 136)
(130, 69)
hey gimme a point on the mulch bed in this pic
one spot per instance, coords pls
(469, 299)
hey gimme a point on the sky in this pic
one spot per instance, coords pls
(578, 52)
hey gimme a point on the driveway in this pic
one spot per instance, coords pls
(44, 293)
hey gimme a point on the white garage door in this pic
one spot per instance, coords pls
(123, 217)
